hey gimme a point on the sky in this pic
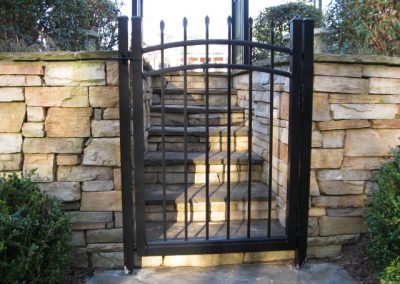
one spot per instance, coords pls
(173, 12)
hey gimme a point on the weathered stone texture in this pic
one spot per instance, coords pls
(68, 160)
(75, 74)
(343, 124)
(89, 217)
(16, 68)
(12, 116)
(53, 145)
(19, 80)
(98, 185)
(112, 73)
(321, 111)
(11, 94)
(344, 201)
(101, 201)
(106, 97)
(57, 96)
(35, 114)
(43, 164)
(344, 175)
(381, 71)
(33, 129)
(341, 225)
(105, 128)
(331, 84)
(10, 162)
(83, 173)
(326, 158)
(102, 152)
(107, 259)
(330, 69)
(384, 86)
(68, 122)
(333, 139)
(10, 143)
(64, 191)
(341, 187)
(363, 163)
(104, 236)
(203, 260)
(364, 111)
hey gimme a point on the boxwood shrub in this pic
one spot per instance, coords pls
(34, 234)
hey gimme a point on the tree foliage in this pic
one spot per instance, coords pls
(367, 26)
(57, 24)
(281, 16)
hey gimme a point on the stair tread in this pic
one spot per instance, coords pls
(212, 91)
(194, 109)
(196, 230)
(199, 130)
(196, 192)
(215, 158)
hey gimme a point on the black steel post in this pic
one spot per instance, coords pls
(306, 121)
(137, 92)
(125, 143)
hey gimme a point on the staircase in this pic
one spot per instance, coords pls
(174, 176)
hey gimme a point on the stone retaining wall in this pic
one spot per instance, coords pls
(59, 114)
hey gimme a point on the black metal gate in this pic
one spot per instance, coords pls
(214, 237)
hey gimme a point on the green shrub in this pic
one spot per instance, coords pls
(34, 234)
(281, 16)
(383, 219)
(363, 27)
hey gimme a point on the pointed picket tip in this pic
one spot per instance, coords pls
(162, 25)
(207, 20)
(185, 22)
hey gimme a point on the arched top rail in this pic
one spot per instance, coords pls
(232, 42)
(219, 66)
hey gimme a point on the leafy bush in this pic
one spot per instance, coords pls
(365, 27)
(34, 234)
(27, 25)
(281, 16)
(383, 219)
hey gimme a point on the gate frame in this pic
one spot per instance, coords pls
(299, 151)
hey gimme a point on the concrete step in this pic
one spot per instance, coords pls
(197, 231)
(174, 116)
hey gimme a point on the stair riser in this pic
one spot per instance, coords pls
(195, 99)
(198, 147)
(216, 206)
(202, 168)
(215, 119)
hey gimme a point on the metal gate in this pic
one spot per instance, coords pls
(137, 233)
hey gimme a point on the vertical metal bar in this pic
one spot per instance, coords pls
(125, 141)
(250, 132)
(228, 182)
(185, 118)
(294, 147)
(137, 90)
(304, 194)
(207, 22)
(164, 184)
(271, 128)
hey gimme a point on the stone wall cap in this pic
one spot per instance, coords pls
(59, 56)
(348, 58)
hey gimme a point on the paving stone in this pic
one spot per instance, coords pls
(79, 73)
(57, 96)
(84, 173)
(10, 143)
(35, 114)
(101, 201)
(33, 129)
(12, 116)
(11, 94)
(53, 145)
(64, 191)
(43, 164)
(10, 162)
(102, 152)
(68, 122)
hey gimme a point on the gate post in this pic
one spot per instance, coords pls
(306, 126)
(125, 143)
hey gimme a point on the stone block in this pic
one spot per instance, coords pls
(111, 113)
(33, 129)
(331, 69)
(20, 80)
(89, 217)
(68, 160)
(78, 239)
(343, 124)
(333, 139)
(364, 111)
(268, 256)
(78, 73)
(316, 212)
(339, 187)
(386, 123)
(203, 260)
(101, 201)
(341, 225)
(105, 128)
(35, 114)
(57, 96)
(88, 226)
(10, 162)
(313, 227)
(107, 247)
(53, 145)
(371, 142)
(105, 97)
(331, 84)
(326, 158)
(112, 73)
(363, 163)
(324, 251)
(344, 175)
(152, 261)
(68, 122)
(10, 143)
(104, 236)
(314, 190)
(333, 240)
(117, 179)
(344, 201)
(344, 212)
(11, 94)
(83, 173)
(12, 116)
(107, 259)
(384, 86)
(321, 111)
(43, 164)
(381, 71)
(17, 68)
(98, 185)
(316, 139)
(98, 113)
(102, 152)
(64, 191)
